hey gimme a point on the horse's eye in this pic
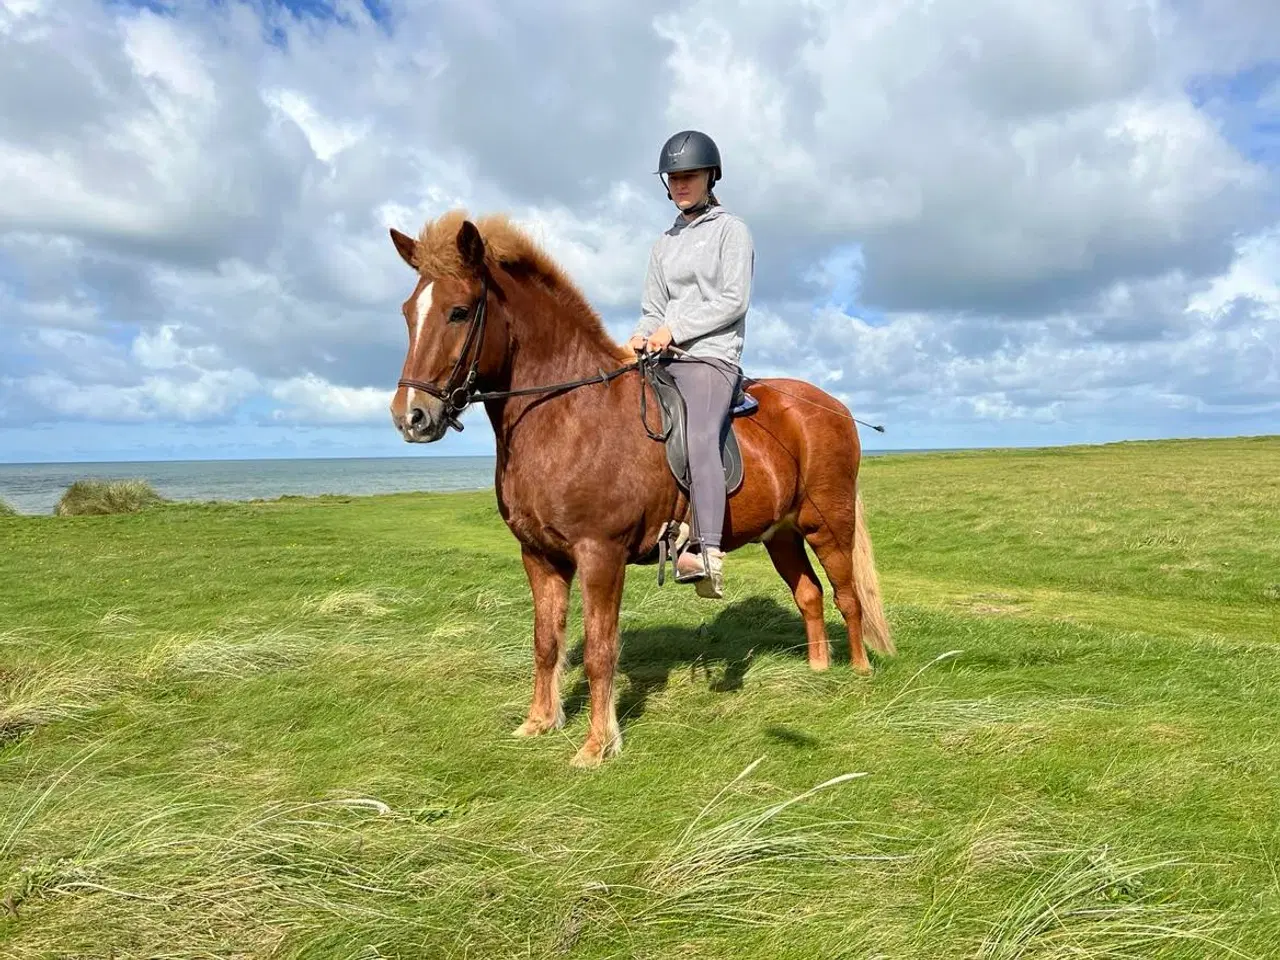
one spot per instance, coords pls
(457, 314)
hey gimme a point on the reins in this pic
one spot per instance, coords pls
(601, 377)
(785, 393)
(457, 396)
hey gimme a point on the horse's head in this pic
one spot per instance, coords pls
(447, 317)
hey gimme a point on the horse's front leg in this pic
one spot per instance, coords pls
(602, 572)
(549, 581)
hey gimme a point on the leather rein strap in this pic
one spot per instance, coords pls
(458, 395)
(459, 392)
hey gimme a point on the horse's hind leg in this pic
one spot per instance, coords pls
(786, 550)
(830, 533)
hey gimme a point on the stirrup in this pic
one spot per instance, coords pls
(702, 571)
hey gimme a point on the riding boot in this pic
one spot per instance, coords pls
(711, 587)
(704, 569)
(689, 563)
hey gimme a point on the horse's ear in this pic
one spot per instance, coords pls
(406, 246)
(471, 246)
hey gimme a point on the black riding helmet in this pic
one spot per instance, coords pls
(690, 150)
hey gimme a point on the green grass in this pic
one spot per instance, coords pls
(282, 729)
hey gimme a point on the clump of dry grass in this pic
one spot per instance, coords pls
(724, 872)
(362, 604)
(338, 873)
(195, 877)
(741, 872)
(228, 656)
(116, 617)
(1059, 898)
(32, 699)
(1091, 902)
(195, 873)
(95, 497)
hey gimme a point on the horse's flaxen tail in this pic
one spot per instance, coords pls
(875, 628)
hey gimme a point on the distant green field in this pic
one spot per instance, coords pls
(282, 729)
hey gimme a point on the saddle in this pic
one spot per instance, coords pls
(672, 406)
(674, 535)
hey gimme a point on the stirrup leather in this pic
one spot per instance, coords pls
(672, 539)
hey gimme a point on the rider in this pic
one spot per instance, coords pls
(696, 294)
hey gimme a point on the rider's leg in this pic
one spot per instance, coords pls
(708, 388)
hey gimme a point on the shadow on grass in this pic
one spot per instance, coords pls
(719, 651)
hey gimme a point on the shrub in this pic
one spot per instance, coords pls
(99, 497)
(6, 510)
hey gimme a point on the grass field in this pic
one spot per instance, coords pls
(282, 729)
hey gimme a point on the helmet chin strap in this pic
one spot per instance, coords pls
(697, 209)
(700, 207)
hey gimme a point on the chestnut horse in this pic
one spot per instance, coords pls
(580, 482)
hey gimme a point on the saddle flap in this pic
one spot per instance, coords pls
(670, 400)
(672, 407)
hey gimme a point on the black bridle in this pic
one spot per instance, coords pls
(457, 394)
(459, 391)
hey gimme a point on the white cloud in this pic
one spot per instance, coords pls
(211, 395)
(1255, 275)
(162, 350)
(312, 400)
(162, 52)
(326, 137)
(598, 245)
(986, 157)
(14, 12)
(922, 368)
(135, 133)
(64, 313)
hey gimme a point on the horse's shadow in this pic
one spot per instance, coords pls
(719, 651)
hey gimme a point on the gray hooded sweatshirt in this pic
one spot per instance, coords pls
(699, 285)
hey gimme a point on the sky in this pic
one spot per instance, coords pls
(976, 222)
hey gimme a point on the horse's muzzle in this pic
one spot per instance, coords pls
(423, 419)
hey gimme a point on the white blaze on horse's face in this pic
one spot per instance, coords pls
(417, 313)
(418, 319)
(415, 413)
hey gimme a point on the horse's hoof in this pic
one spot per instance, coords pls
(536, 727)
(590, 756)
(586, 759)
(531, 728)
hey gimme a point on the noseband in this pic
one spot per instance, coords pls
(458, 392)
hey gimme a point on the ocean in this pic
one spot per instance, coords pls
(33, 488)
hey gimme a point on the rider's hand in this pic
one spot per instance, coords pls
(660, 339)
(637, 343)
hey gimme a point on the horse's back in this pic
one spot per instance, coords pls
(803, 416)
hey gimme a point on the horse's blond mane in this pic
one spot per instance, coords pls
(509, 248)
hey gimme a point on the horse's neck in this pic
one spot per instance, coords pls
(541, 358)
